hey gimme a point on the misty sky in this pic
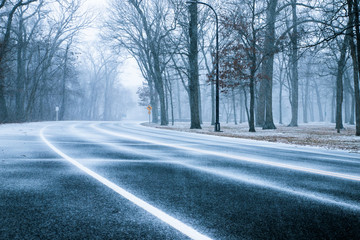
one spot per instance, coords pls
(130, 75)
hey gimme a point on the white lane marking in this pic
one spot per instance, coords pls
(173, 222)
(243, 158)
(257, 182)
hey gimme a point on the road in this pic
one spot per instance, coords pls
(115, 180)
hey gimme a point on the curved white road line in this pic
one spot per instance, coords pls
(173, 222)
(298, 192)
(242, 158)
(230, 175)
(262, 143)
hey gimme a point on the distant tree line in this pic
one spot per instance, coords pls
(42, 66)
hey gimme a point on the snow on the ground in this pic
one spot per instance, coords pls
(20, 128)
(310, 134)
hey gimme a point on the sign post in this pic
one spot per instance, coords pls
(149, 108)
(57, 113)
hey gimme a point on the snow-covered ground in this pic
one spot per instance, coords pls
(311, 134)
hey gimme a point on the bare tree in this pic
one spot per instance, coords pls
(265, 113)
(294, 67)
(194, 68)
(143, 32)
(353, 10)
(4, 42)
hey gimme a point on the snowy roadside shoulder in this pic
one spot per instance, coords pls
(312, 134)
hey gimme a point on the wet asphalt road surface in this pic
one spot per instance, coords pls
(72, 180)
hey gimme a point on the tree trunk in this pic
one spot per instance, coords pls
(240, 109)
(333, 100)
(159, 85)
(260, 109)
(63, 99)
(169, 85)
(166, 97)
(178, 99)
(268, 63)
(347, 99)
(169, 97)
(356, 79)
(212, 102)
(339, 83)
(355, 72)
(280, 100)
(194, 68)
(294, 69)
(153, 102)
(3, 108)
(246, 107)
(352, 116)
(200, 105)
(252, 99)
(306, 101)
(156, 106)
(234, 105)
(252, 73)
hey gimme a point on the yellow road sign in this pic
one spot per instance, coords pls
(149, 108)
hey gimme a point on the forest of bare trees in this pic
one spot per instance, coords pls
(281, 61)
(44, 68)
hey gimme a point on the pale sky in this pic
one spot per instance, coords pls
(130, 75)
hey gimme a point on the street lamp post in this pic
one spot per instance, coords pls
(217, 100)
